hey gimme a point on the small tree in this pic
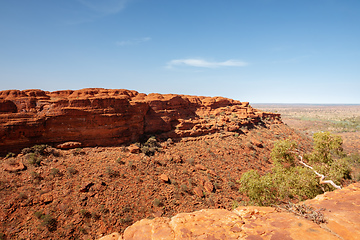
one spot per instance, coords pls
(292, 178)
(326, 147)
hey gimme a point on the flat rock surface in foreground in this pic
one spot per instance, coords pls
(342, 212)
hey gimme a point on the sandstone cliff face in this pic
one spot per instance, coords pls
(104, 117)
(341, 210)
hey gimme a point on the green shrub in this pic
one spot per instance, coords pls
(282, 153)
(34, 159)
(157, 202)
(85, 213)
(327, 146)
(111, 172)
(42, 149)
(290, 180)
(150, 146)
(49, 222)
(55, 172)
(126, 220)
(38, 214)
(71, 171)
(10, 155)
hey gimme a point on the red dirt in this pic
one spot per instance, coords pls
(99, 190)
(91, 191)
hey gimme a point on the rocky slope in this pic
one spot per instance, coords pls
(87, 192)
(341, 210)
(106, 117)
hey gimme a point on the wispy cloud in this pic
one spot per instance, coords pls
(92, 10)
(133, 41)
(196, 62)
(105, 7)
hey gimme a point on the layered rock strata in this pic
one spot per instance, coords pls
(341, 209)
(105, 117)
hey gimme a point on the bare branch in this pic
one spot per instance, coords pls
(322, 181)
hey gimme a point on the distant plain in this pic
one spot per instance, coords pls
(310, 118)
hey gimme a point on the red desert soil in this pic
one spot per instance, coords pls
(87, 192)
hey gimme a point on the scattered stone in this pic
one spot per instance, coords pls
(46, 198)
(164, 178)
(257, 143)
(198, 191)
(14, 167)
(133, 148)
(209, 187)
(200, 167)
(158, 213)
(69, 145)
(211, 172)
(86, 187)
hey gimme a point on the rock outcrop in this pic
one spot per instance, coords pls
(105, 117)
(341, 209)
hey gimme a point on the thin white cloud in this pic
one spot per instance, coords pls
(133, 41)
(195, 62)
(105, 7)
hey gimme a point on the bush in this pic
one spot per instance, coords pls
(85, 213)
(150, 146)
(282, 153)
(10, 155)
(326, 147)
(49, 222)
(157, 202)
(55, 172)
(290, 180)
(34, 159)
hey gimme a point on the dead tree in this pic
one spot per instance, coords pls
(321, 176)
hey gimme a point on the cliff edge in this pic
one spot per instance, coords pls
(341, 211)
(109, 117)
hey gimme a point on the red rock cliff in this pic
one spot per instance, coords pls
(103, 117)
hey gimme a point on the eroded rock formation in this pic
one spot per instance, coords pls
(341, 209)
(104, 117)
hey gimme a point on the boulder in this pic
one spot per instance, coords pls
(69, 145)
(164, 178)
(133, 148)
(14, 167)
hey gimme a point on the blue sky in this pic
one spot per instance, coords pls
(262, 51)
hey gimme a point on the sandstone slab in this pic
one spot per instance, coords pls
(342, 214)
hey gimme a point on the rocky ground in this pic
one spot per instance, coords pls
(84, 193)
(87, 189)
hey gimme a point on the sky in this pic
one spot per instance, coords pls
(260, 51)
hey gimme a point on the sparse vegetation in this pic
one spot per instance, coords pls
(85, 213)
(71, 171)
(49, 222)
(304, 211)
(55, 172)
(34, 159)
(10, 155)
(125, 186)
(157, 202)
(111, 172)
(150, 146)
